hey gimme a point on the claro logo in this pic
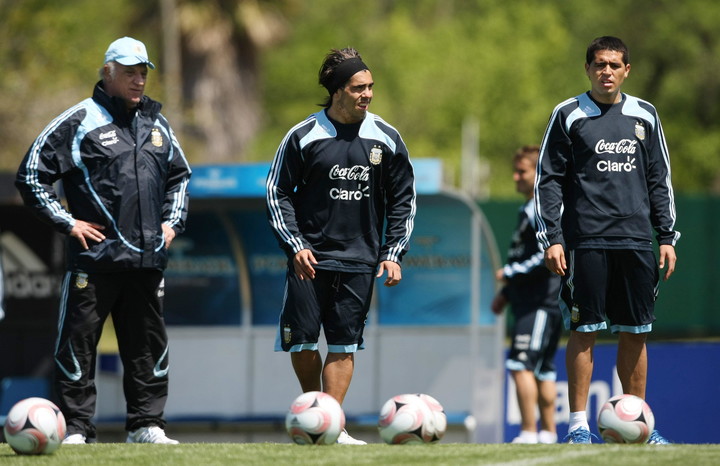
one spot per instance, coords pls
(349, 194)
(610, 166)
(26, 275)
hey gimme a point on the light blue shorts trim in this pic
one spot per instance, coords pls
(636, 329)
(344, 348)
(546, 376)
(590, 328)
(303, 347)
(516, 366)
(314, 347)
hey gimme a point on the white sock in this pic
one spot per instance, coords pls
(578, 419)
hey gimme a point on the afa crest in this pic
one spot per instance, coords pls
(640, 131)
(156, 137)
(376, 155)
(575, 314)
(81, 280)
(287, 334)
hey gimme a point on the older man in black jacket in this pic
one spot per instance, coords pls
(125, 179)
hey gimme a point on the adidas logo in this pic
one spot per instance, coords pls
(26, 275)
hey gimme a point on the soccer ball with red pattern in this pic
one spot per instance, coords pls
(412, 419)
(438, 419)
(34, 426)
(625, 419)
(315, 418)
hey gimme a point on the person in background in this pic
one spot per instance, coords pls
(603, 184)
(125, 179)
(532, 292)
(2, 287)
(337, 179)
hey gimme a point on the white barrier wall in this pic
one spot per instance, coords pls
(226, 374)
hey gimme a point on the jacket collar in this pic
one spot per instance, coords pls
(116, 106)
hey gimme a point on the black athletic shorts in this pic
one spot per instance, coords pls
(619, 285)
(535, 338)
(336, 301)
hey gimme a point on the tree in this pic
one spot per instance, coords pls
(221, 44)
(249, 70)
(49, 57)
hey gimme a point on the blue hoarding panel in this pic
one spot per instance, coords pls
(682, 391)
(436, 271)
(428, 175)
(266, 265)
(202, 279)
(248, 180)
(229, 181)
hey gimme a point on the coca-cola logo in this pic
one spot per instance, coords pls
(623, 146)
(355, 173)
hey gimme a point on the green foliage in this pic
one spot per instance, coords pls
(436, 63)
(673, 53)
(50, 58)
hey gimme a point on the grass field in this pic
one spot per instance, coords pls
(278, 454)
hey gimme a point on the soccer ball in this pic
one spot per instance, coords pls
(625, 419)
(438, 419)
(315, 418)
(34, 426)
(412, 419)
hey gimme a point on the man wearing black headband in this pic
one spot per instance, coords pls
(336, 179)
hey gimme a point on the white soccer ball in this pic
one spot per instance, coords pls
(408, 419)
(34, 426)
(625, 419)
(315, 418)
(437, 423)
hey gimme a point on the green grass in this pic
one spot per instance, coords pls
(278, 454)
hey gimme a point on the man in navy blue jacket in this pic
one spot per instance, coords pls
(602, 186)
(337, 178)
(125, 180)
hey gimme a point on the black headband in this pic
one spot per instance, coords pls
(343, 72)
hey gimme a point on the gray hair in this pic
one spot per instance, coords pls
(112, 69)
